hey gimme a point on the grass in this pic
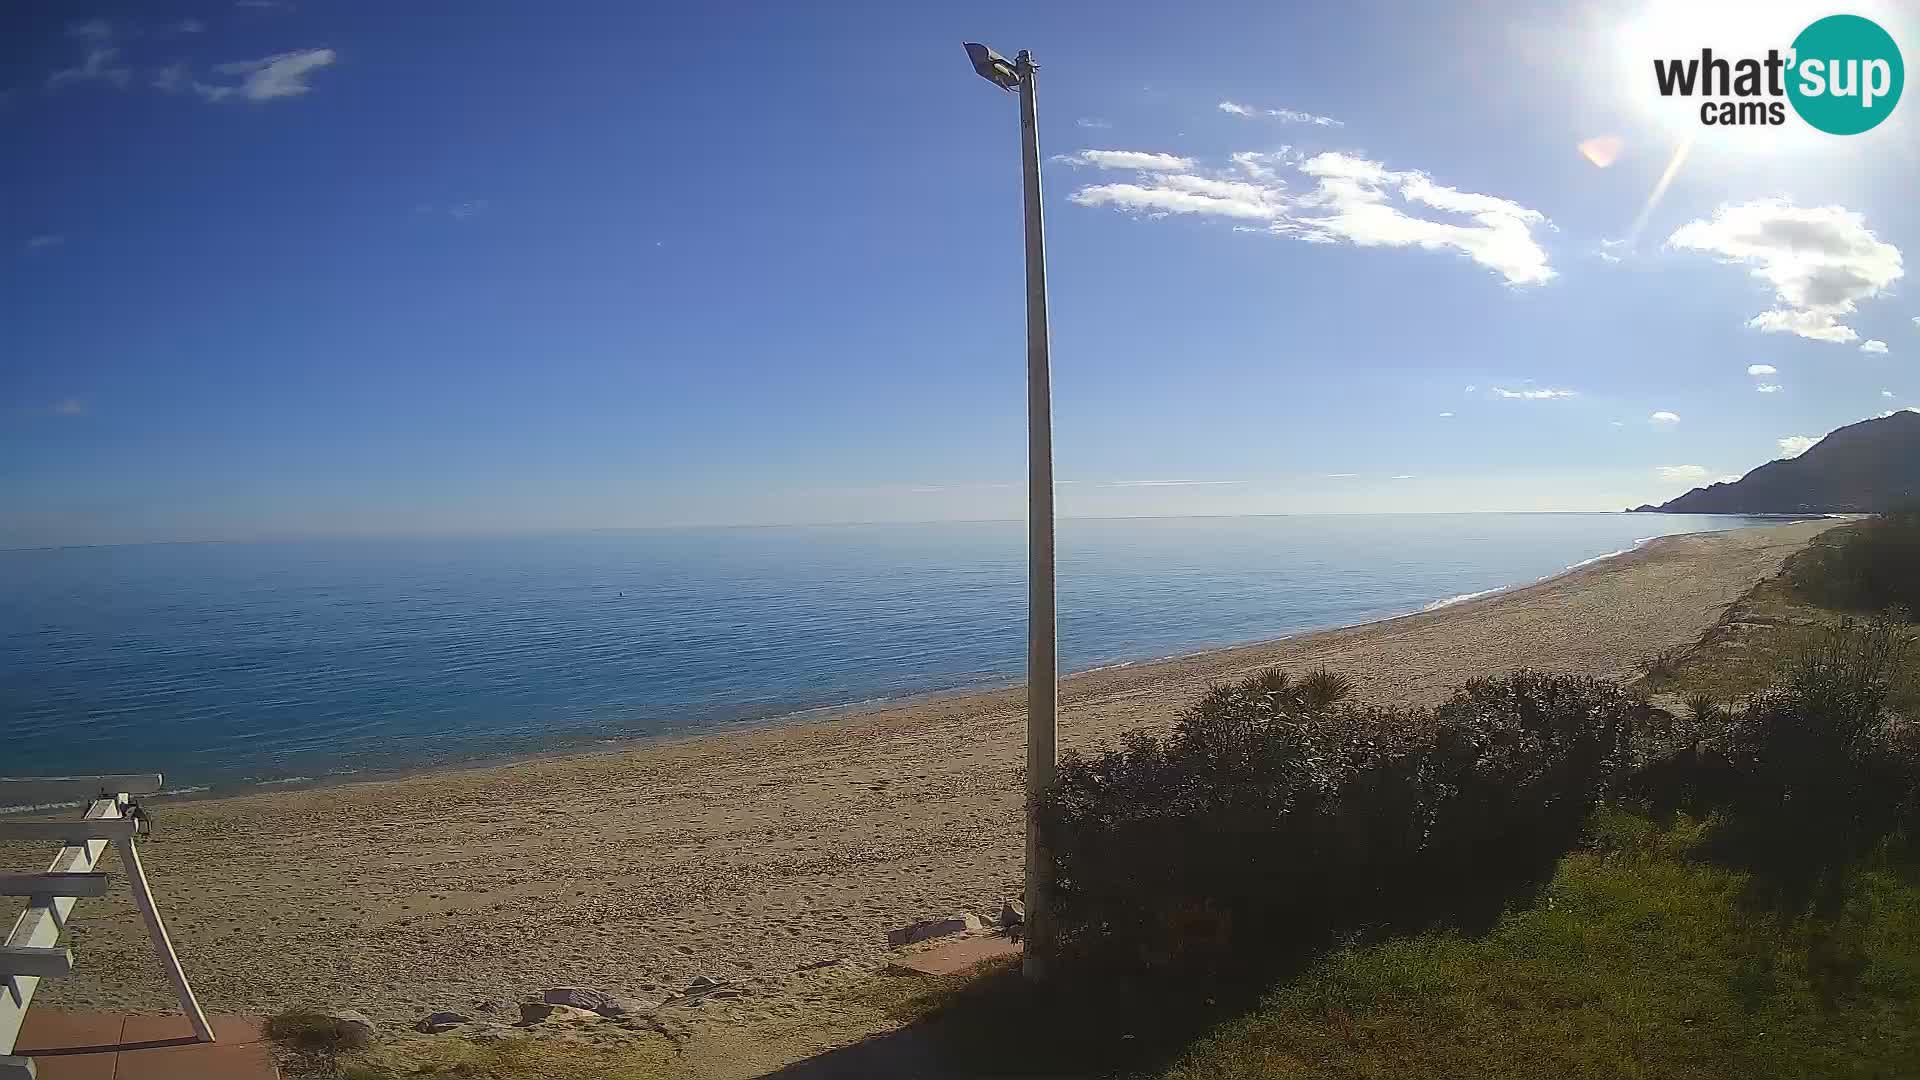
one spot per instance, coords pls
(1747, 649)
(1641, 959)
(1740, 655)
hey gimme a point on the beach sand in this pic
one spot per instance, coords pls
(749, 855)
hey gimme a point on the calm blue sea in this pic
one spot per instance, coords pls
(234, 664)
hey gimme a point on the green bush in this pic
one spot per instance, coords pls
(1814, 774)
(1870, 566)
(1277, 818)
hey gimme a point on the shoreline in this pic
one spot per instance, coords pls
(216, 790)
(776, 858)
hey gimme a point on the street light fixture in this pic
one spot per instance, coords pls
(993, 67)
(1042, 672)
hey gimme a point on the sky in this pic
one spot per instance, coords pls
(296, 267)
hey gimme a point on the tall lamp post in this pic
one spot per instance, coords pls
(1042, 694)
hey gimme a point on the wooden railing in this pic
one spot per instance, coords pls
(32, 951)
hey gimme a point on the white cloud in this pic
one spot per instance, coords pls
(1819, 261)
(1092, 122)
(1664, 417)
(1351, 203)
(1682, 474)
(99, 66)
(1762, 369)
(1261, 166)
(1445, 415)
(281, 76)
(1470, 388)
(1233, 190)
(1818, 326)
(1886, 393)
(1795, 445)
(69, 407)
(1294, 116)
(1728, 479)
(1404, 476)
(44, 241)
(465, 210)
(1873, 345)
(1768, 388)
(189, 26)
(1138, 160)
(1286, 116)
(1532, 395)
(1354, 201)
(1166, 200)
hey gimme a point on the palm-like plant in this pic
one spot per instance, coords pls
(1322, 690)
(1703, 709)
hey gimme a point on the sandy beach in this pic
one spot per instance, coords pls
(749, 856)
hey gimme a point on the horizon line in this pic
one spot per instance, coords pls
(271, 537)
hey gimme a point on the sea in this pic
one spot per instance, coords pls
(230, 666)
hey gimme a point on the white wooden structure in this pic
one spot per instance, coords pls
(32, 952)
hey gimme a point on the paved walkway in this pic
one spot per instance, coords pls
(118, 1046)
(955, 956)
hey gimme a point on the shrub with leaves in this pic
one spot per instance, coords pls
(1510, 772)
(1815, 773)
(1276, 817)
(1871, 566)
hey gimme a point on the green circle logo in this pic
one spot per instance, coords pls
(1847, 74)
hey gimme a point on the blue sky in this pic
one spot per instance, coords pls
(311, 267)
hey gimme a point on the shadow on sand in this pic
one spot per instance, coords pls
(990, 1023)
(915, 1052)
(908, 1053)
